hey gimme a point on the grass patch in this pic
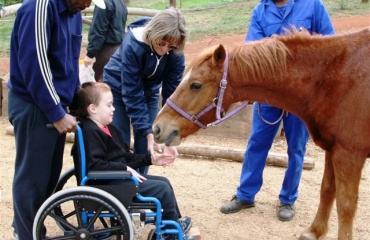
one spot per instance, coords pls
(6, 26)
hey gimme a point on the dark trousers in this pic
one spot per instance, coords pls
(102, 58)
(161, 189)
(38, 162)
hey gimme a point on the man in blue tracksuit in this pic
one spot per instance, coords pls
(150, 60)
(272, 17)
(44, 51)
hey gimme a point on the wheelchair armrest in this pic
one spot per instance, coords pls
(104, 175)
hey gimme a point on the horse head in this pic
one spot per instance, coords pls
(194, 103)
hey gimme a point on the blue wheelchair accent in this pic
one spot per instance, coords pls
(98, 211)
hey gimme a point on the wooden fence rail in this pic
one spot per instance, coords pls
(12, 9)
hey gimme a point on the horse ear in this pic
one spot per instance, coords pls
(219, 55)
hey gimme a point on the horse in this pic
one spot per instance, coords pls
(324, 80)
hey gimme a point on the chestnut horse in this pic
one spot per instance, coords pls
(325, 80)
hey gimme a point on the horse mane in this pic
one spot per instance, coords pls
(259, 59)
(267, 57)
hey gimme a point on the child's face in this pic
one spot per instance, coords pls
(103, 113)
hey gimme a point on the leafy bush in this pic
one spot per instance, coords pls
(9, 2)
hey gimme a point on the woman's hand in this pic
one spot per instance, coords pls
(170, 150)
(139, 177)
(150, 139)
(158, 147)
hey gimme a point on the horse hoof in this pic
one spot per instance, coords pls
(308, 236)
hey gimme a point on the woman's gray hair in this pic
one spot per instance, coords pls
(168, 25)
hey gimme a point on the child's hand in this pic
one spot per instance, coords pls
(163, 159)
(139, 177)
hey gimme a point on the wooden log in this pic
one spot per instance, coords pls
(10, 10)
(218, 152)
(130, 11)
(237, 154)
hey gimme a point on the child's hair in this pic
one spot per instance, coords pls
(168, 25)
(89, 93)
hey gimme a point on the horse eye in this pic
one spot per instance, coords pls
(195, 86)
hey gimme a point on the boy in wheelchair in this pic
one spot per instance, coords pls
(105, 150)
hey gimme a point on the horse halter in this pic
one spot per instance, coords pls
(216, 103)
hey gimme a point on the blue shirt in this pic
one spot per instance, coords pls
(267, 20)
(44, 51)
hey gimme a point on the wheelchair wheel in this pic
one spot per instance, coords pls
(68, 178)
(88, 213)
(152, 235)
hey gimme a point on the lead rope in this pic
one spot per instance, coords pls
(283, 114)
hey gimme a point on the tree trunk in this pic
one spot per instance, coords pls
(173, 3)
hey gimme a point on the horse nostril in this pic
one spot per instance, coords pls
(156, 131)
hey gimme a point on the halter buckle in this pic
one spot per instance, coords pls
(193, 118)
(223, 84)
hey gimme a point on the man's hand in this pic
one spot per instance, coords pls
(88, 61)
(66, 124)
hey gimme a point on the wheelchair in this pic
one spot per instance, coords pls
(95, 211)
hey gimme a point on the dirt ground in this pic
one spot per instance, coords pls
(202, 184)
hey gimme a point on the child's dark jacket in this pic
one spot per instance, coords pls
(104, 152)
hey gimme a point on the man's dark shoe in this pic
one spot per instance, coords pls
(15, 235)
(286, 212)
(235, 205)
(185, 224)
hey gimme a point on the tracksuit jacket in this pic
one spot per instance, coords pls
(51, 80)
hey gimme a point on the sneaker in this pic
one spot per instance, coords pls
(185, 224)
(235, 205)
(15, 236)
(286, 212)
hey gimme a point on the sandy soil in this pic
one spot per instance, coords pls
(202, 184)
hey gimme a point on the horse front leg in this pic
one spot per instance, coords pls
(319, 226)
(347, 168)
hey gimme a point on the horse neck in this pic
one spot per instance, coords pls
(286, 85)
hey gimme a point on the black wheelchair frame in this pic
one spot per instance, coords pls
(98, 211)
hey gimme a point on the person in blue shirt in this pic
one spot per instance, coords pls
(44, 51)
(150, 60)
(271, 17)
